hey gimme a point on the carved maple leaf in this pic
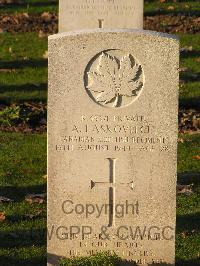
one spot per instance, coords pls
(114, 79)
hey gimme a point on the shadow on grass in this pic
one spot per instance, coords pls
(186, 178)
(22, 93)
(190, 54)
(18, 64)
(23, 238)
(53, 259)
(177, 11)
(23, 218)
(191, 221)
(189, 103)
(190, 76)
(18, 193)
(24, 87)
(25, 3)
(188, 222)
(194, 262)
(13, 261)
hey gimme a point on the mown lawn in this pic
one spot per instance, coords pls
(23, 77)
(23, 68)
(22, 170)
(188, 207)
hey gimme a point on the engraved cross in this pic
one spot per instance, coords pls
(101, 23)
(112, 187)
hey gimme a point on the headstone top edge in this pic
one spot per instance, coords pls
(93, 31)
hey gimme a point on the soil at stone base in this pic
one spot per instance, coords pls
(47, 23)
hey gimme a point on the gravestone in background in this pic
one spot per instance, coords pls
(91, 14)
(112, 145)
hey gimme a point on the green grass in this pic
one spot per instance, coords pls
(17, 167)
(188, 207)
(190, 91)
(22, 165)
(187, 151)
(24, 74)
(27, 256)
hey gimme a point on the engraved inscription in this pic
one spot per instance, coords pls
(105, 133)
(100, 7)
(114, 78)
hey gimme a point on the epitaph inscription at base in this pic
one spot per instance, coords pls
(112, 141)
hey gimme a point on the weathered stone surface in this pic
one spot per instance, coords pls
(112, 141)
(92, 14)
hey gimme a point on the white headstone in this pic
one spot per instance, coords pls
(112, 145)
(92, 14)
